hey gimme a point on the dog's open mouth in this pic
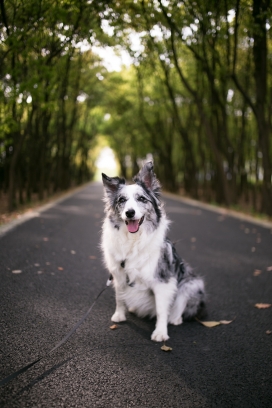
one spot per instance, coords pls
(134, 225)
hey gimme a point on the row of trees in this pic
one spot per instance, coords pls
(198, 95)
(205, 88)
(49, 86)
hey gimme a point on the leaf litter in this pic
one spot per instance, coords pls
(166, 348)
(214, 323)
(263, 305)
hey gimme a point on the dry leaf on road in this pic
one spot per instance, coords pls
(262, 305)
(214, 323)
(209, 324)
(268, 331)
(257, 272)
(269, 268)
(114, 326)
(226, 321)
(60, 268)
(166, 348)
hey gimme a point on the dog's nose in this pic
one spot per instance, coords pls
(130, 213)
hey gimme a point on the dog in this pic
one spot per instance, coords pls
(149, 277)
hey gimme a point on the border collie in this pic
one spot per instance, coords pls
(149, 277)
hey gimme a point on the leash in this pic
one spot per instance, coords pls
(64, 340)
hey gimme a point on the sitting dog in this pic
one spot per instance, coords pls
(149, 277)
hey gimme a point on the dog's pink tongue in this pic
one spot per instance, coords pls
(133, 226)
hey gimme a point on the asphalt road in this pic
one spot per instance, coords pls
(60, 273)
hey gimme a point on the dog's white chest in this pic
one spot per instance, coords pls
(135, 257)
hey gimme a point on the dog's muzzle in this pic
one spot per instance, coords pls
(134, 225)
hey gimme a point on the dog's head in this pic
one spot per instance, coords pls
(137, 204)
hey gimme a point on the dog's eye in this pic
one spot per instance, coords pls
(121, 200)
(142, 199)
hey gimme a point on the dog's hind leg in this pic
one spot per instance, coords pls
(194, 293)
(175, 315)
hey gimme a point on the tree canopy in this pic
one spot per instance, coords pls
(197, 96)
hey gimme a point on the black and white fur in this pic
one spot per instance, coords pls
(149, 277)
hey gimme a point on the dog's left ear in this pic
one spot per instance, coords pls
(147, 176)
(112, 184)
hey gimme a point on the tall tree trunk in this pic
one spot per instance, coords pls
(260, 14)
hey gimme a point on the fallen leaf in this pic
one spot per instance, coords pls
(60, 268)
(253, 249)
(214, 323)
(17, 271)
(45, 239)
(257, 272)
(92, 257)
(193, 239)
(37, 264)
(39, 272)
(268, 331)
(262, 305)
(227, 321)
(114, 327)
(269, 268)
(73, 252)
(209, 324)
(166, 348)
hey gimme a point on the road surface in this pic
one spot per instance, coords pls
(51, 271)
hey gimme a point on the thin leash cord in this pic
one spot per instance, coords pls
(64, 340)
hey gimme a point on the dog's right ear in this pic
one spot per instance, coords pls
(112, 184)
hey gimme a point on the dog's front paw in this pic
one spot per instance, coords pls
(118, 317)
(159, 335)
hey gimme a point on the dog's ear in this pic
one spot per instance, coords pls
(147, 176)
(112, 184)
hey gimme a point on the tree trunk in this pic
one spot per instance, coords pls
(260, 10)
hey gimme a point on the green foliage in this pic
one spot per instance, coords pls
(197, 96)
(49, 88)
(212, 59)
